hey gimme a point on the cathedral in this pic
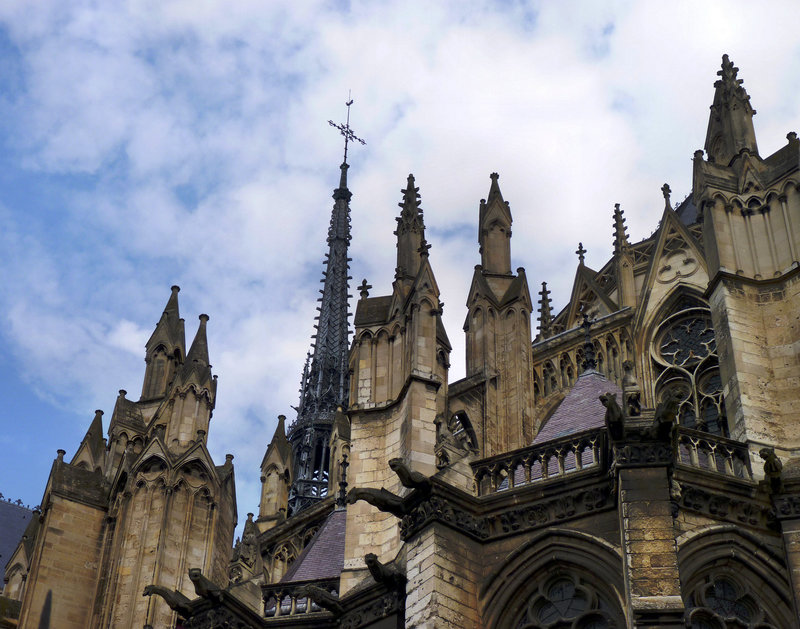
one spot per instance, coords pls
(630, 460)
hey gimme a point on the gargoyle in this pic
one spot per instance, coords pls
(384, 573)
(614, 420)
(407, 476)
(382, 499)
(321, 597)
(203, 586)
(772, 469)
(177, 602)
(664, 419)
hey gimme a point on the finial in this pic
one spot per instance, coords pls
(581, 252)
(345, 129)
(60, 454)
(363, 289)
(589, 362)
(791, 136)
(665, 190)
(545, 313)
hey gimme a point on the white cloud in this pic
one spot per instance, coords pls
(188, 143)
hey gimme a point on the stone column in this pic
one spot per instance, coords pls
(652, 582)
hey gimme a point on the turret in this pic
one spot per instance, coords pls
(165, 351)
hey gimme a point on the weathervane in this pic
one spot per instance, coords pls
(345, 129)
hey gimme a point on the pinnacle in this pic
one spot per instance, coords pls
(494, 190)
(198, 352)
(545, 312)
(172, 302)
(620, 230)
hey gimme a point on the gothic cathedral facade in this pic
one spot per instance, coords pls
(634, 461)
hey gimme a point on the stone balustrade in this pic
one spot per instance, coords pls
(282, 600)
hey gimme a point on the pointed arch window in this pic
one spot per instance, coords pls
(686, 366)
(566, 601)
(722, 602)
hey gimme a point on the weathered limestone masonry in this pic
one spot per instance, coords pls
(142, 509)
(652, 581)
(399, 372)
(443, 580)
(750, 209)
(498, 334)
(63, 576)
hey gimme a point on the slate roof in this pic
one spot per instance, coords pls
(581, 409)
(372, 310)
(323, 558)
(14, 519)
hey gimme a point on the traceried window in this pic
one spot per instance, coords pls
(685, 361)
(719, 602)
(567, 602)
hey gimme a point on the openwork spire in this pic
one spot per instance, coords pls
(589, 360)
(545, 313)
(620, 231)
(324, 385)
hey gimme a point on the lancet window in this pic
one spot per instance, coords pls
(686, 366)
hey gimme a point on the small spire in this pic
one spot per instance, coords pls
(172, 302)
(545, 313)
(589, 362)
(620, 230)
(198, 352)
(494, 190)
(665, 190)
(730, 126)
(581, 253)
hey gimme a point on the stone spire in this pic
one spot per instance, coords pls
(494, 231)
(545, 313)
(325, 378)
(730, 124)
(410, 233)
(165, 350)
(620, 231)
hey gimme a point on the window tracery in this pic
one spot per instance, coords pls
(720, 602)
(686, 365)
(566, 601)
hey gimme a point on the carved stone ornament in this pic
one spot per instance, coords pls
(438, 509)
(214, 619)
(643, 454)
(546, 512)
(725, 507)
(388, 604)
(787, 507)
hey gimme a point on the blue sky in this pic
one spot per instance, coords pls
(145, 144)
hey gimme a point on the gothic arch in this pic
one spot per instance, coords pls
(735, 569)
(558, 556)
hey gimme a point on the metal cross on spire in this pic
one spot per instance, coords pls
(345, 129)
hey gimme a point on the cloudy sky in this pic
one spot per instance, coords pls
(149, 143)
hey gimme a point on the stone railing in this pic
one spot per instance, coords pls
(540, 463)
(283, 600)
(713, 453)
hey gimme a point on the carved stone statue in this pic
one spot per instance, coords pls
(382, 499)
(321, 597)
(664, 420)
(176, 600)
(407, 476)
(389, 575)
(772, 470)
(203, 586)
(614, 420)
